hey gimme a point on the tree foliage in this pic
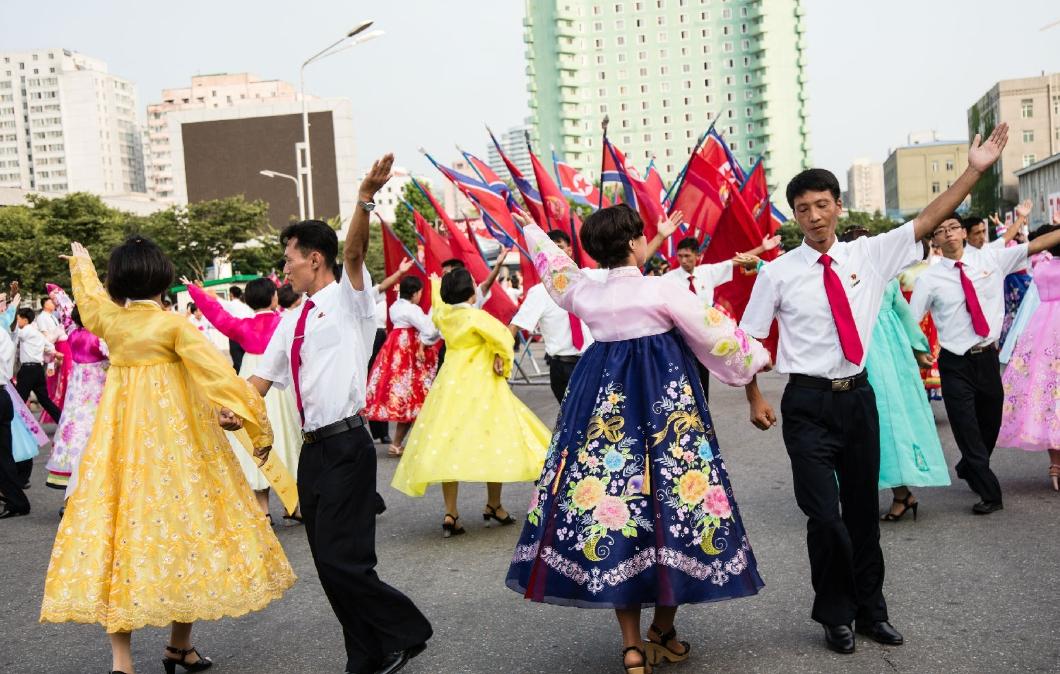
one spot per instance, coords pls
(876, 223)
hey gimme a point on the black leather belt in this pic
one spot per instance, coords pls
(834, 385)
(347, 424)
(565, 359)
(976, 350)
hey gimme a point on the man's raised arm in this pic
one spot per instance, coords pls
(356, 245)
(981, 156)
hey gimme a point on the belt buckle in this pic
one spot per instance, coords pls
(842, 384)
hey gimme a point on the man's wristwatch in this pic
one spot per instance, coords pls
(368, 206)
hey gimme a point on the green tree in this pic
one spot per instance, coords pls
(986, 194)
(876, 223)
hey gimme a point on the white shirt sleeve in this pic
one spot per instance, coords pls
(533, 307)
(718, 272)
(1009, 259)
(359, 303)
(920, 301)
(893, 251)
(762, 307)
(996, 243)
(480, 299)
(7, 356)
(275, 363)
(428, 332)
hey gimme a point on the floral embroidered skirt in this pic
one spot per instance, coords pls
(1031, 410)
(79, 413)
(634, 506)
(401, 376)
(1015, 288)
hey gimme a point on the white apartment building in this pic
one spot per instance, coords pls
(513, 142)
(393, 193)
(67, 125)
(206, 92)
(865, 189)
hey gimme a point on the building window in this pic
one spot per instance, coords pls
(935, 188)
(949, 165)
(620, 40)
(1028, 135)
(1028, 159)
(1027, 108)
(935, 167)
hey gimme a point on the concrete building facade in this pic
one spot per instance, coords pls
(1040, 182)
(513, 142)
(661, 70)
(915, 174)
(67, 125)
(865, 191)
(1031, 106)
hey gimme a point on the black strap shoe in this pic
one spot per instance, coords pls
(840, 638)
(882, 632)
(397, 660)
(987, 507)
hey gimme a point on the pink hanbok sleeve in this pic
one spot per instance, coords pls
(561, 277)
(238, 329)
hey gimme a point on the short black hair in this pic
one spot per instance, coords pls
(192, 308)
(313, 235)
(968, 222)
(27, 313)
(1045, 229)
(607, 232)
(236, 292)
(138, 269)
(410, 285)
(812, 180)
(559, 236)
(286, 296)
(75, 316)
(457, 286)
(47, 298)
(259, 293)
(453, 263)
(689, 243)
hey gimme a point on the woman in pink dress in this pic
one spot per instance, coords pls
(1031, 410)
(88, 358)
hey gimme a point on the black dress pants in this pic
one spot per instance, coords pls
(10, 482)
(559, 373)
(32, 378)
(336, 487)
(833, 440)
(379, 429)
(973, 395)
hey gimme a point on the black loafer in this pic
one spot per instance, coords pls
(882, 632)
(6, 513)
(987, 507)
(397, 660)
(839, 638)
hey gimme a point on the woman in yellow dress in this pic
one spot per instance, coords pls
(472, 428)
(162, 528)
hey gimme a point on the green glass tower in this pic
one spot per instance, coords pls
(662, 70)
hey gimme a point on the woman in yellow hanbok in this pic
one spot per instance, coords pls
(472, 428)
(162, 528)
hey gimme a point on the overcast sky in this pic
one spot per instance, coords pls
(877, 70)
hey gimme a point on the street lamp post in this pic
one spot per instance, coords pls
(297, 187)
(306, 164)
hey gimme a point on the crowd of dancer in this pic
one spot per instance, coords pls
(167, 453)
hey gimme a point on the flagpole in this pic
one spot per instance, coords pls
(544, 204)
(603, 161)
(575, 244)
(387, 229)
(671, 195)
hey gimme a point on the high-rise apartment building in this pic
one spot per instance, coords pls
(67, 125)
(205, 93)
(915, 174)
(865, 187)
(513, 142)
(662, 70)
(1031, 106)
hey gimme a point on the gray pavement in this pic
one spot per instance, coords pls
(971, 594)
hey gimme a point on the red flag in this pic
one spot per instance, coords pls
(499, 305)
(555, 206)
(638, 194)
(531, 197)
(394, 252)
(717, 155)
(436, 248)
(702, 197)
(577, 186)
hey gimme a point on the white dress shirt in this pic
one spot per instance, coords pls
(939, 291)
(707, 277)
(791, 289)
(7, 358)
(480, 298)
(405, 314)
(237, 308)
(339, 332)
(32, 345)
(49, 327)
(539, 310)
(379, 297)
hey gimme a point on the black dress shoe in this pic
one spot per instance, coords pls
(6, 513)
(987, 507)
(882, 632)
(397, 660)
(839, 638)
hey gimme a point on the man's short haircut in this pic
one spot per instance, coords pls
(313, 235)
(453, 263)
(138, 269)
(410, 285)
(235, 292)
(559, 236)
(607, 232)
(259, 293)
(27, 313)
(968, 222)
(689, 243)
(286, 296)
(458, 286)
(812, 180)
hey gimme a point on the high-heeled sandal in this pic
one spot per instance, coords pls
(492, 515)
(658, 650)
(171, 663)
(395, 450)
(891, 517)
(1054, 472)
(450, 528)
(644, 668)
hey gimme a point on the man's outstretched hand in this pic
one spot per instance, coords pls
(983, 155)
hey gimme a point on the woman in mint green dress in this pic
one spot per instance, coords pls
(910, 450)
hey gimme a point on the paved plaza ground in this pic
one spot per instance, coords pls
(971, 594)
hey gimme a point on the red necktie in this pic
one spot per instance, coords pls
(849, 339)
(576, 335)
(692, 284)
(296, 354)
(971, 300)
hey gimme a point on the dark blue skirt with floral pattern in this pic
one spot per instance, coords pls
(634, 507)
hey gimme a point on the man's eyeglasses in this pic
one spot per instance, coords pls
(943, 231)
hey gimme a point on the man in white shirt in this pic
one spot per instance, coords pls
(238, 308)
(965, 294)
(826, 297)
(47, 323)
(322, 350)
(566, 337)
(33, 346)
(14, 499)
